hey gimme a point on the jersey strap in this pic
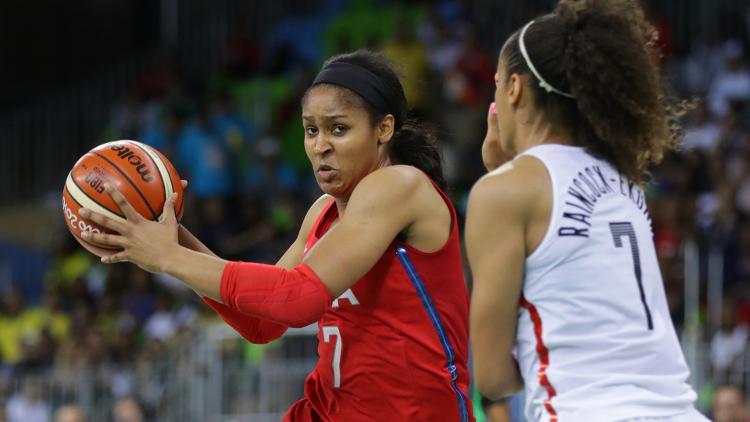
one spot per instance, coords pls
(450, 355)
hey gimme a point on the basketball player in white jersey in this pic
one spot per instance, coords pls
(559, 239)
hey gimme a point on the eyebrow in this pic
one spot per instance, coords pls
(326, 118)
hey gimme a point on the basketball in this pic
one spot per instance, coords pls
(143, 175)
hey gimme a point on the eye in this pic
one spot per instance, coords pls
(311, 130)
(339, 130)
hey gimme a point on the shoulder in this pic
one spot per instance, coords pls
(513, 187)
(397, 183)
(398, 194)
(313, 213)
(317, 207)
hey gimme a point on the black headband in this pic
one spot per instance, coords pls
(360, 81)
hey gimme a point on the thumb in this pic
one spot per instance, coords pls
(168, 213)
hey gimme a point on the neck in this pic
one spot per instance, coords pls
(341, 203)
(539, 132)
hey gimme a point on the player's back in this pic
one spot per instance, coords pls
(595, 338)
(395, 345)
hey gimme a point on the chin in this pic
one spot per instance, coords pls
(334, 188)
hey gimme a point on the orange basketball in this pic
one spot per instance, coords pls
(141, 173)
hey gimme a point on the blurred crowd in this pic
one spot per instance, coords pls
(237, 138)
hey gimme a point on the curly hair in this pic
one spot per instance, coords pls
(603, 53)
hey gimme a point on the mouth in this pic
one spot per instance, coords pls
(326, 172)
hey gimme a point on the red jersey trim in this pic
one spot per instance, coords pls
(454, 223)
(543, 354)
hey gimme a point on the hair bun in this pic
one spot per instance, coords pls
(577, 14)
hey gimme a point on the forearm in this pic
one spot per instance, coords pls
(191, 242)
(293, 297)
(199, 271)
(498, 379)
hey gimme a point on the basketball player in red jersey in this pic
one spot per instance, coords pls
(376, 263)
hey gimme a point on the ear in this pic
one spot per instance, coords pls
(515, 89)
(386, 128)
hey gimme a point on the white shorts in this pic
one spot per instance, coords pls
(691, 416)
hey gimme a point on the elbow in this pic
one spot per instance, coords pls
(497, 383)
(497, 389)
(264, 339)
(302, 323)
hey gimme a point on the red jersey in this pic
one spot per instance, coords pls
(394, 346)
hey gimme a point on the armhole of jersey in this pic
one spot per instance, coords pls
(313, 234)
(454, 221)
(553, 212)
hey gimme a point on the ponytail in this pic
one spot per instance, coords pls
(602, 52)
(415, 144)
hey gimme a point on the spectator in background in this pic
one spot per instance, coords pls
(732, 83)
(270, 174)
(242, 53)
(163, 133)
(730, 405)
(203, 158)
(19, 327)
(232, 128)
(126, 118)
(28, 405)
(141, 300)
(127, 410)
(728, 345)
(70, 413)
(161, 325)
(701, 132)
(701, 65)
(411, 59)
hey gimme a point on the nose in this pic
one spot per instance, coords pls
(321, 145)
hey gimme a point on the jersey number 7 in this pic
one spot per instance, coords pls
(620, 230)
(328, 332)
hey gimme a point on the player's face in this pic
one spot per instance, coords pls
(340, 141)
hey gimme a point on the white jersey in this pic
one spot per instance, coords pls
(595, 341)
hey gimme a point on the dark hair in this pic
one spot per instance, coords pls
(414, 143)
(603, 53)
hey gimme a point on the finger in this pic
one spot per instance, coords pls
(115, 258)
(184, 183)
(125, 207)
(167, 214)
(492, 115)
(104, 239)
(102, 220)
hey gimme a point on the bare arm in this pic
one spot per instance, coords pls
(495, 244)
(384, 203)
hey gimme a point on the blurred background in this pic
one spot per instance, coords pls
(216, 86)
